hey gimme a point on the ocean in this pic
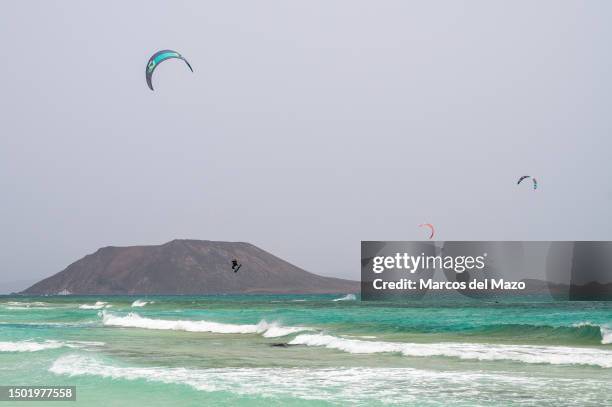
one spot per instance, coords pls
(309, 350)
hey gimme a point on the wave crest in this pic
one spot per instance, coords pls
(97, 305)
(348, 297)
(133, 320)
(346, 385)
(556, 355)
(140, 303)
(31, 346)
(583, 333)
(606, 335)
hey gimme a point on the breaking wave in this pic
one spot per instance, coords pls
(345, 386)
(606, 335)
(141, 303)
(18, 305)
(31, 346)
(556, 355)
(27, 304)
(97, 305)
(585, 333)
(605, 332)
(133, 320)
(348, 297)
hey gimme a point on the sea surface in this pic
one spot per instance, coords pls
(296, 350)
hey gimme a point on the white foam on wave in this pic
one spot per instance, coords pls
(556, 355)
(360, 336)
(54, 324)
(97, 305)
(78, 344)
(604, 330)
(32, 346)
(347, 386)
(27, 304)
(606, 335)
(585, 323)
(348, 297)
(141, 303)
(28, 346)
(18, 305)
(274, 330)
(133, 320)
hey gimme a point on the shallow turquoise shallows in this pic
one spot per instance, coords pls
(308, 350)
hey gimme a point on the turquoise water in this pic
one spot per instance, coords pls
(309, 350)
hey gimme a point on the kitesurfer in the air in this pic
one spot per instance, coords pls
(235, 265)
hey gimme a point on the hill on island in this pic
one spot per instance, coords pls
(186, 267)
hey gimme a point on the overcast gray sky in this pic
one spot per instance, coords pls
(307, 126)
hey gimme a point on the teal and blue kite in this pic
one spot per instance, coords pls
(158, 58)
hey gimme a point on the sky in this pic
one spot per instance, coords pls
(307, 126)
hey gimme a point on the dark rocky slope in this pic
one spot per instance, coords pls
(186, 267)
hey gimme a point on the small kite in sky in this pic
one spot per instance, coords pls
(524, 177)
(158, 58)
(431, 228)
